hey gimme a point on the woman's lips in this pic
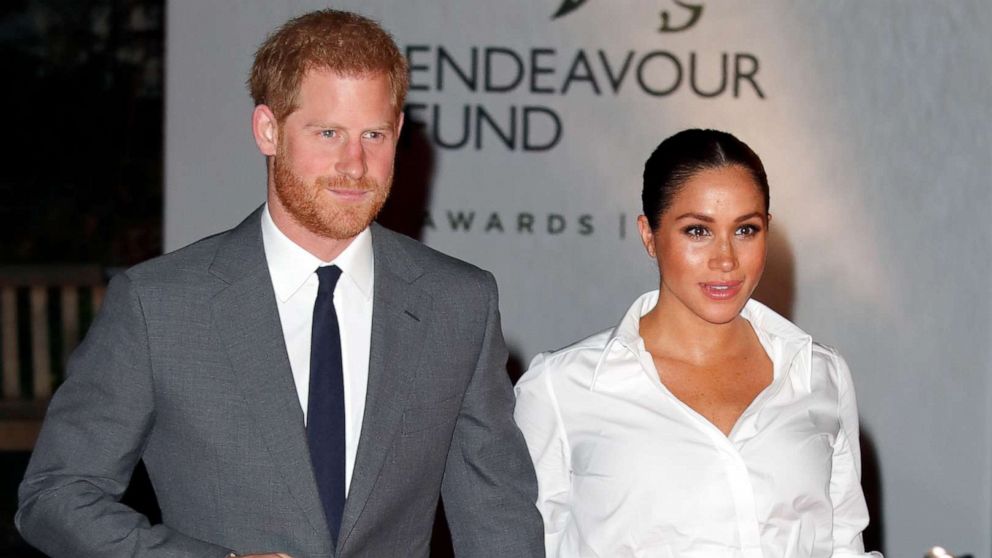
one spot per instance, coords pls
(722, 290)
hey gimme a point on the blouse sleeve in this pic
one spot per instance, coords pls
(850, 509)
(539, 418)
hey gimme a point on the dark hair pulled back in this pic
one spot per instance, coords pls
(680, 157)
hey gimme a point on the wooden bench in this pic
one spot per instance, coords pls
(44, 311)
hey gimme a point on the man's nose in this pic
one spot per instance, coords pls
(352, 160)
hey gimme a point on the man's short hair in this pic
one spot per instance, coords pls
(343, 42)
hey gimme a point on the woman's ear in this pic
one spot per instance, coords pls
(647, 235)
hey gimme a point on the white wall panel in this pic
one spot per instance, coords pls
(873, 119)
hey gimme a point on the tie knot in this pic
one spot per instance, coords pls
(328, 276)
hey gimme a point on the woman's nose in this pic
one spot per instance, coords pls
(724, 259)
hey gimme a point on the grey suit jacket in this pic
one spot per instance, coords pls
(186, 368)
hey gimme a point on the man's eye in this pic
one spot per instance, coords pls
(328, 133)
(696, 231)
(374, 136)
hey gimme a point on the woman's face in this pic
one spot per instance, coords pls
(710, 244)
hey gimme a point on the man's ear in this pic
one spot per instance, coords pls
(399, 125)
(265, 129)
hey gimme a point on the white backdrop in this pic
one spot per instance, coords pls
(873, 119)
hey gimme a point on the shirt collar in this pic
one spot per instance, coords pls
(762, 318)
(290, 265)
(767, 322)
(628, 331)
(788, 346)
(782, 339)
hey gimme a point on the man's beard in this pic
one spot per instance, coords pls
(331, 220)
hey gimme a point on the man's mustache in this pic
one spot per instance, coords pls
(345, 183)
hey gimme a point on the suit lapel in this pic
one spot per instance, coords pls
(247, 320)
(399, 317)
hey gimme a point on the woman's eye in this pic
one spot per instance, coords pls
(747, 230)
(696, 231)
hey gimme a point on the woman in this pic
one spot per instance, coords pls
(704, 424)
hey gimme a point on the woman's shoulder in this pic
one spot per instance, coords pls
(821, 364)
(830, 371)
(824, 351)
(586, 352)
(829, 357)
(574, 360)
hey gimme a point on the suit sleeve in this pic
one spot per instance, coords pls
(92, 437)
(489, 487)
(850, 510)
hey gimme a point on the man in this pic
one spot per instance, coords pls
(306, 384)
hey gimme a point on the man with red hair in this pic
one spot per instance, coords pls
(307, 384)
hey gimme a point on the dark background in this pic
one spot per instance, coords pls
(82, 155)
(82, 177)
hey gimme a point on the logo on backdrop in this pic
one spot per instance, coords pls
(669, 23)
(489, 80)
(511, 97)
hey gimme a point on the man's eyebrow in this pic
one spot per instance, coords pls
(330, 126)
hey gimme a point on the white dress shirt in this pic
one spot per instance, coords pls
(626, 469)
(294, 279)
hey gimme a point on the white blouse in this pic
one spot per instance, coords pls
(625, 469)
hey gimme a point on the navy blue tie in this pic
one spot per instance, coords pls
(325, 406)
